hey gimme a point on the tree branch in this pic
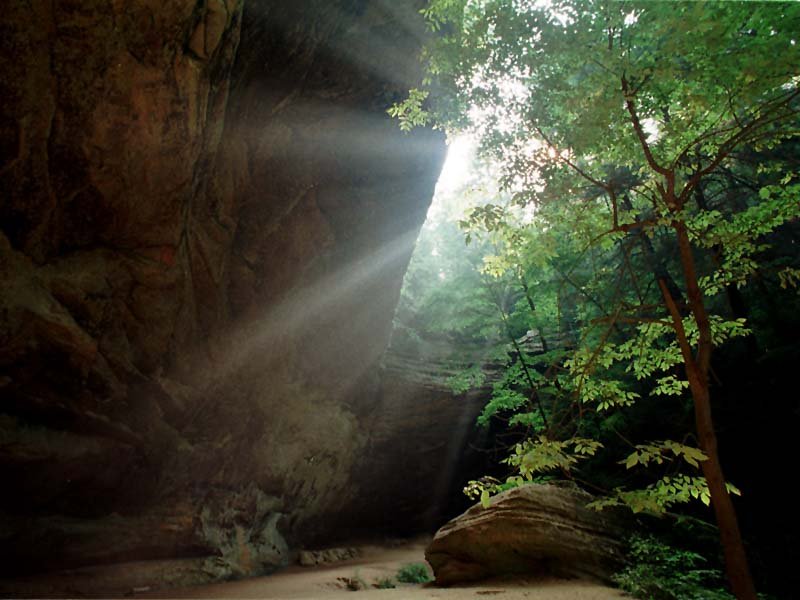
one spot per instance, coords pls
(742, 135)
(637, 126)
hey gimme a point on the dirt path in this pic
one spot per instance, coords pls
(325, 583)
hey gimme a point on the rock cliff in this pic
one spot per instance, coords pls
(424, 443)
(205, 217)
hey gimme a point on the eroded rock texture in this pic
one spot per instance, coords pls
(205, 217)
(535, 530)
(424, 443)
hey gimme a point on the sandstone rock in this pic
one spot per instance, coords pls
(209, 30)
(311, 558)
(534, 529)
(206, 216)
(422, 436)
(242, 529)
(236, 531)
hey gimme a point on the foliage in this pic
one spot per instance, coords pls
(645, 453)
(657, 571)
(531, 459)
(741, 235)
(541, 455)
(443, 294)
(661, 495)
(484, 488)
(467, 379)
(413, 573)
(410, 112)
(645, 157)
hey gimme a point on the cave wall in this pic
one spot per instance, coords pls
(425, 435)
(205, 217)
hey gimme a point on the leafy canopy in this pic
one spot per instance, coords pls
(622, 123)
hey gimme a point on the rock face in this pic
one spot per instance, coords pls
(313, 558)
(533, 529)
(422, 447)
(424, 442)
(205, 217)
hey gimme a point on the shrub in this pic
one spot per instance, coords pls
(657, 571)
(413, 573)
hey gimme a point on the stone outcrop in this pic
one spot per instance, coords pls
(424, 442)
(205, 217)
(534, 530)
(329, 556)
(231, 534)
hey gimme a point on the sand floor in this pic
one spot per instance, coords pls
(324, 583)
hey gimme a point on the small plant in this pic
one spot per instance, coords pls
(413, 573)
(384, 583)
(661, 572)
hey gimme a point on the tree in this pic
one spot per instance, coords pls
(631, 109)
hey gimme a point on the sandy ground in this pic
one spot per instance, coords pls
(376, 563)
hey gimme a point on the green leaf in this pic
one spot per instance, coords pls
(632, 460)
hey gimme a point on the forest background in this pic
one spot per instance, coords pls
(629, 254)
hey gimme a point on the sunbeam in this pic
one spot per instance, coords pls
(353, 293)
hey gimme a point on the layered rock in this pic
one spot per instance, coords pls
(424, 442)
(205, 219)
(532, 530)
(230, 534)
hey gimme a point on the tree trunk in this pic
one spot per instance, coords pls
(654, 262)
(736, 565)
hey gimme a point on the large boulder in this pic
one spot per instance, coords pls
(532, 530)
